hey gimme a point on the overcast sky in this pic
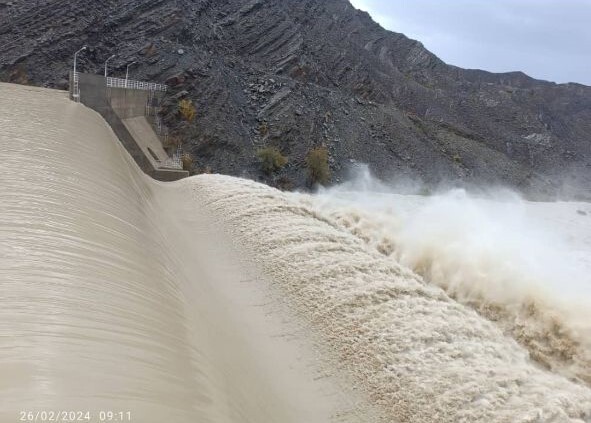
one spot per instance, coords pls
(547, 39)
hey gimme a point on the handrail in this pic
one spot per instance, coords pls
(174, 162)
(135, 85)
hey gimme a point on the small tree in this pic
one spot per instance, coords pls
(317, 162)
(271, 159)
(187, 161)
(187, 110)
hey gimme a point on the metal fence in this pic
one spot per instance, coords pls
(135, 85)
(174, 162)
(76, 86)
(161, 129)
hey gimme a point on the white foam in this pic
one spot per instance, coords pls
(420, 354)
(524, 265)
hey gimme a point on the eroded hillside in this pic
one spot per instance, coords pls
(297, 74)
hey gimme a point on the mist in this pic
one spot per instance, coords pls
(518, 263)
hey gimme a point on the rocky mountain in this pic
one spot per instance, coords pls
(302, 73)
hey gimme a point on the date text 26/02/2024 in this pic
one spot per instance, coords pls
(75, 416)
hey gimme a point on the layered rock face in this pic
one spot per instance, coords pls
(301, 73)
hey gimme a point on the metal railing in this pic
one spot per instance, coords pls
(158, 122)
(161, 129)
(134, 85)
(76, 86)
(174, 162)
(150, 108)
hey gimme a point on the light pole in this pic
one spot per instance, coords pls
(76, 58)
(127, 73)
(75, 91)
(107, 61)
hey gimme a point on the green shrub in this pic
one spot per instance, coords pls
(271, 159)
(187, 110)
(317, 163)
(187, 161)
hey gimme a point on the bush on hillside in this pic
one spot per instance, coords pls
(317, 163)
(187, 110)
(187, 161)
(271, 159)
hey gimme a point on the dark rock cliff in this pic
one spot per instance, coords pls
(300, 73)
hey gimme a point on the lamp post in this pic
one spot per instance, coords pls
(75, 92)
(76, 57)
(107, 61)
(127, 73)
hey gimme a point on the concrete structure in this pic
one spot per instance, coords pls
(125, 110)
(141, 129)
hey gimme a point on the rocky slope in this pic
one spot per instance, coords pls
(301, 73)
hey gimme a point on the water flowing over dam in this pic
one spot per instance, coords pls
(218, 299)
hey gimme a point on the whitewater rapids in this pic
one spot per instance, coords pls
(217, 299)
(524, 265)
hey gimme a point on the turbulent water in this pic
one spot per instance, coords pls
(220, 299)
(524, 265)
(420, 354)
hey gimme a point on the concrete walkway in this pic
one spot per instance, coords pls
(147, 140)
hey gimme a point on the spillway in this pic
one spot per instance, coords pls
(217, 299)
(117, 295)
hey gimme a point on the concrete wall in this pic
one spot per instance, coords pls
(128, 103)
(116, 104)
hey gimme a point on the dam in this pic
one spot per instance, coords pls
(218, 299)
